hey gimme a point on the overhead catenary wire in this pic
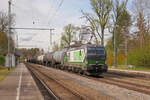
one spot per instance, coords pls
(25, 11)
(57, 9)
(60, 5)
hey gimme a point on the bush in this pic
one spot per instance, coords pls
(141, 57)
(120, 59)
(2, 60)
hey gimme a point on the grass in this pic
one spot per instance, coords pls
(147, 69)
(4, 72)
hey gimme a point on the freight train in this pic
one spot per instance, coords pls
(89, 59)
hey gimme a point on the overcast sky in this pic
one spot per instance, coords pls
(45, 14)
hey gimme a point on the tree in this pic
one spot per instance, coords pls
(102, 10)
(33, 52)
(4, 31)
(2, 60)
(122, 31)
(3, 43)
(142, 16)
(68, 34)
(4, 22)
(56, 47)
(139, 45)
(142, 34)
(92, 23)
(121, 22)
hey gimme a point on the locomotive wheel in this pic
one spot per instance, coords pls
(66, 67)
(77, 70)
(63, 67)
(74, 70)
(69, 69)
(81, 72)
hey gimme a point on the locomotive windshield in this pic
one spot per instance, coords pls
(91, 51)
(96, 51)
(100, 51)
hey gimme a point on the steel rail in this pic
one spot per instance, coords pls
(63, 85)
(132, 86)
(44, 84)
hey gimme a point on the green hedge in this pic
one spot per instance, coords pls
(140, 57)
(2, 60)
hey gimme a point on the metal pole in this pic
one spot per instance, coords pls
(17, 49)
(51, 38)
(115, 48)
(17, 42)
(16, 46)
(126, 51)
(31, 28)
(9, 30)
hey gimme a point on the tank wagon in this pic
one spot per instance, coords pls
(89, 59)
(40, 59)
(32, 60)
(47, 59)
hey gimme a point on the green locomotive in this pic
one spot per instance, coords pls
(88, 59)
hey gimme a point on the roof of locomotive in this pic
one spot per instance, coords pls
(86, 46)
(92, 45)
(75, 48)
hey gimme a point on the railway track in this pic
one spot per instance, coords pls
(43, 84)
(124, 84)
(139, 87)
(118, 80)
(59, 90)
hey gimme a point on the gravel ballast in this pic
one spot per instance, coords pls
(111, 91)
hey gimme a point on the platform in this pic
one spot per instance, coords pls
(19, 85)
(130, 71)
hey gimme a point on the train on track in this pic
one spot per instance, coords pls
(89, 59)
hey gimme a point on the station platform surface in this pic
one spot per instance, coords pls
(19, 85)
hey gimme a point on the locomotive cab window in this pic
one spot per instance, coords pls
(96, 51)
(91, 50)
(100, 51)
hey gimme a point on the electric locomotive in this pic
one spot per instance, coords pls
(89, 59)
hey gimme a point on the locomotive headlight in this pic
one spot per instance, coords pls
(97, 62)
(105, 61)
(86, 61)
